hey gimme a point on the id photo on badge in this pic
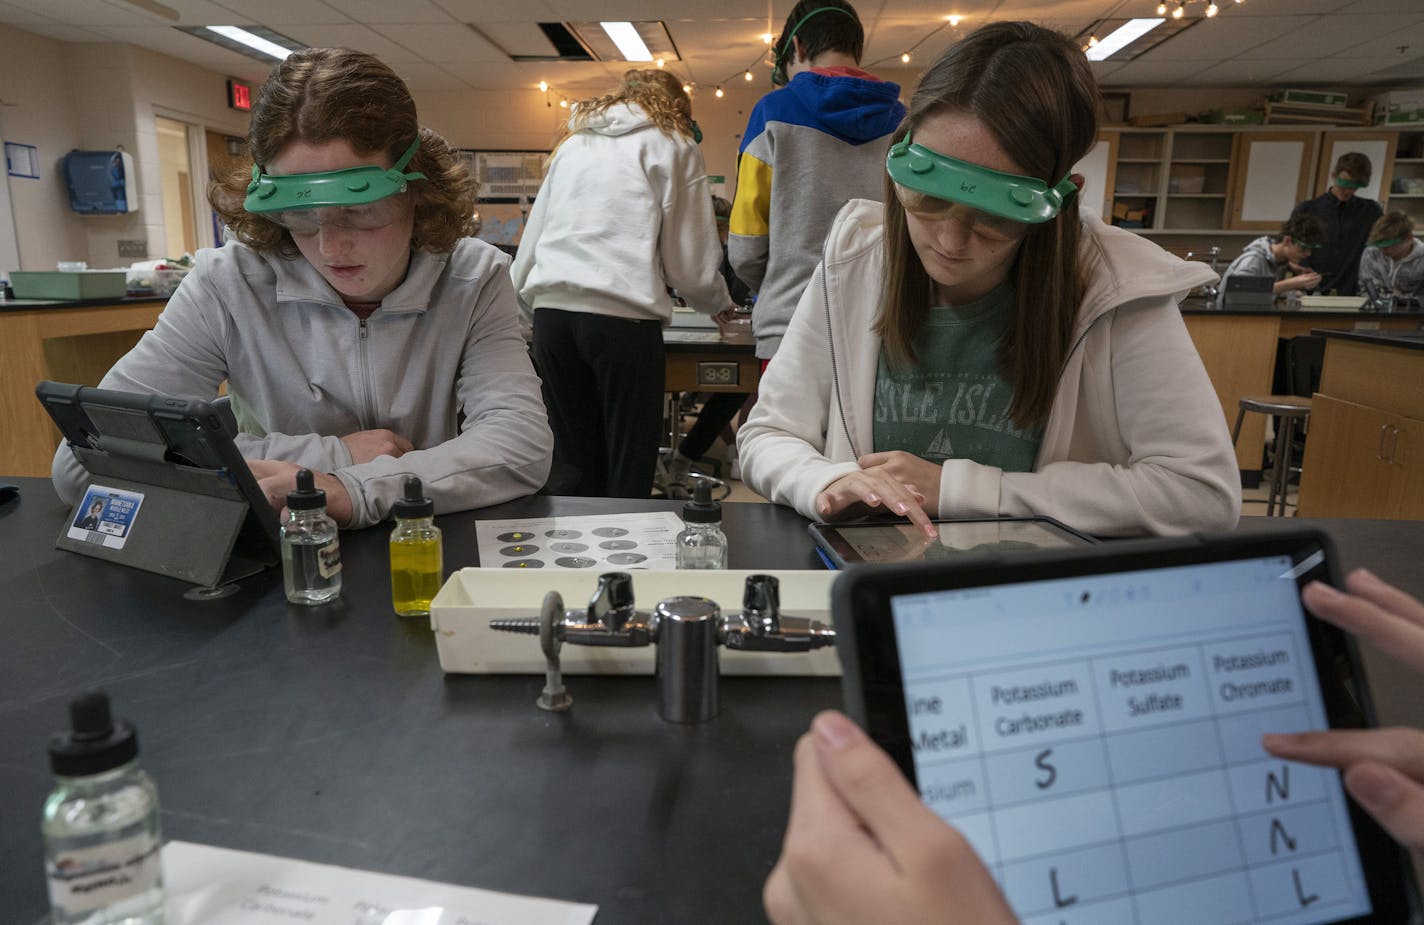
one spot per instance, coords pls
(105, 516)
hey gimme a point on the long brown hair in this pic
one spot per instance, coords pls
(328, 94)
(658, 93)
(1033, 90)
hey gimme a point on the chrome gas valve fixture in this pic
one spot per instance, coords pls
(687, 631)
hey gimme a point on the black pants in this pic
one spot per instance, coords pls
(603, 385)
(717, 412)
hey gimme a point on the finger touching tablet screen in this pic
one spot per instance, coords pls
(1091, 721)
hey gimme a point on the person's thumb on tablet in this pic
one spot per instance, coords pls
(932, 874)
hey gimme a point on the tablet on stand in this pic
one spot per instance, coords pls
(169, 491)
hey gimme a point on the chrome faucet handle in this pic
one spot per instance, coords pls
(760, 627)
(612, 603)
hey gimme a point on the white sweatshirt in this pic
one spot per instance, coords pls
(624, 213)
(1136, 441)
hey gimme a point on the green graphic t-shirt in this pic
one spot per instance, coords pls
(954, 404)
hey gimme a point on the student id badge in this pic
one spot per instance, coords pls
(105, 516)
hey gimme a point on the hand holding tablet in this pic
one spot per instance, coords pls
(1091, 725)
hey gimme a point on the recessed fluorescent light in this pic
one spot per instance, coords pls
(254, 41)
(1121, 37)
(629, 42)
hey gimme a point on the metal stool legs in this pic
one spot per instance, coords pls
(1280, 479)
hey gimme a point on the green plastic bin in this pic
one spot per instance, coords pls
(68, 284)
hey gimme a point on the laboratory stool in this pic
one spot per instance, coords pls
(1290, 409)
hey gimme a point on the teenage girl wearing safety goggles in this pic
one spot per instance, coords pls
(353, 319)
(981, 345)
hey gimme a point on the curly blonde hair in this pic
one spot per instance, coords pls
(329, 94)
(657, 93)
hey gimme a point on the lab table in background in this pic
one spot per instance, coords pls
(331, 735)
(1238, 348)
(66, 342)
(79, 341)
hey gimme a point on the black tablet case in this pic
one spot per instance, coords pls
(203, 519)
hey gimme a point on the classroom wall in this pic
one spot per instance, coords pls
(37, 108)
(59, 96)
(524, 121)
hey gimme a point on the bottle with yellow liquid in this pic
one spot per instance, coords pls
(417, 558)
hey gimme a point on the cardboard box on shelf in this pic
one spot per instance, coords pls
(1397, 100)
(1400, 117)
(1233, 117)
(1311, 97)
(1161, 118)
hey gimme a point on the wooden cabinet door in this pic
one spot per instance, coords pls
(1346, 472)
(1407, 455)
(1270, 173)
(1378, 146)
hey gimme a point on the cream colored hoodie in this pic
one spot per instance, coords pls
(625, 212)
(1135, 442)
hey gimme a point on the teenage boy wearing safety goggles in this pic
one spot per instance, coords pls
(1281, 256)
(979, 345)
(1348, 217)
(1393, 263)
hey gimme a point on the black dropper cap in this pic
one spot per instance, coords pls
(307, 497)
(413, 503)
(95, 742)
(702, 509)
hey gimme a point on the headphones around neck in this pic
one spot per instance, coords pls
(783, 51)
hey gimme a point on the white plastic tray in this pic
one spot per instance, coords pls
(461, 612)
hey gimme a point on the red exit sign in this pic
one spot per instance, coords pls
(239, 95)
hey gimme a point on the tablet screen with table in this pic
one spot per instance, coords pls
(1092, 725)
(901, 541)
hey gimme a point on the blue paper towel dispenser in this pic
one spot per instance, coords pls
(101, 182)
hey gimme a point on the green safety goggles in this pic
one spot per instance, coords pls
(1349, 184)
(355, 197)
(1389, 242)
(933, 185)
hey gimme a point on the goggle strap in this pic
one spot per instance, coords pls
(1387, 242)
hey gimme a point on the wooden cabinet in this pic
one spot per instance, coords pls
(1270, 173)
(1361, 467)
(1405, 191)
(1365, 452)
(1193, 186)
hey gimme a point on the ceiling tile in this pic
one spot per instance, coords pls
(497, 10)
(1319, 39)
(426, 77)
(447, 42)
(393, 11)
(1386, 47)
(277, 13)
(1222, 39)
(1141, 73)
(1243, 73)
(359, 37)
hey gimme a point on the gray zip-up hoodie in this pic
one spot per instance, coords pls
(1255, 260)
(1404, 276)
(303, 371)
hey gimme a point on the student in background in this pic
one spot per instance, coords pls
(720, 407)
(1393, 263)
(361, 333)
(861, 846)
(1348, 218)
(980, 346)
(623, 214)
(808, 148)
(1278, 255)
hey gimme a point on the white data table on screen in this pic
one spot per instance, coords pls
(1109, 769)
